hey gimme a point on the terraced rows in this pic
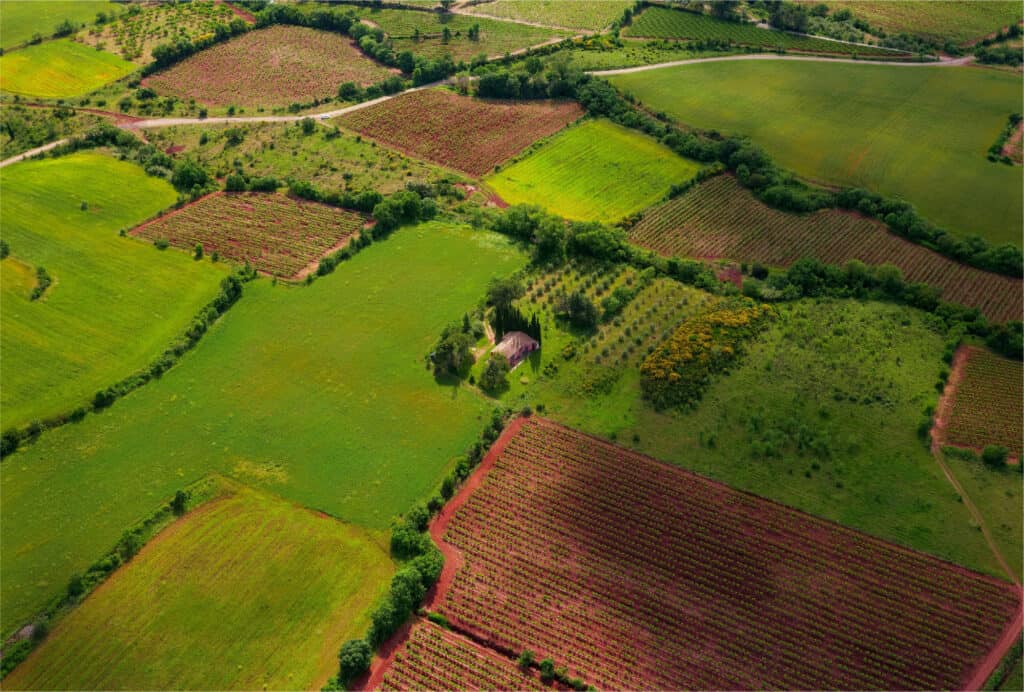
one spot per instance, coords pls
(987, 407)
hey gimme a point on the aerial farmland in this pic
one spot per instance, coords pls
(511, 344)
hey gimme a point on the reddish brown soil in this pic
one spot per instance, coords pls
(1012, 147)
(980, 675)
(244, 15)
(945, 405)
(730, 273)
(382, 660)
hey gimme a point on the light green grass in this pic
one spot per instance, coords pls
(631, 54)
(21, 19)
(59, 69)
(920, 133)
(114, 304)
(939, 20)
(571, 14)
(246, 592)
(597, 171)
(854, 376)
(317, 393)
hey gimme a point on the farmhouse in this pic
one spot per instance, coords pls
(515, 346)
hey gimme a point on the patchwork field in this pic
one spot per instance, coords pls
(677, 581)
(987, 402)
(25, 18)
(598, 171)
(889, 129)
(275, 66)
(661, 22)
(134, 35)
(496, 37)
(330, 406)
(327, 159)
(436, 124)
(276, 234)
(59, 69)
(721, 219)
(593, 15)
(939, 20)
(273, 588)
(114, 304)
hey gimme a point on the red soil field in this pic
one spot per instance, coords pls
(721, 219)
(467, 134)
(275, 66)
(278, 235)
(638, 575)
(985, 404)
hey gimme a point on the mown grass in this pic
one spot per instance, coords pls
(24, 18)
(114, 304)
(820, 414)
(59, 69)
(272, 588)
(597, 171)
(571, 14)
(317, 393)
(920, 133)
(939, 20)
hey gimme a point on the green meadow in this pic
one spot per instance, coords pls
(114, 303)
(919, 133)
(272, 588)
(319, 394)
(596, 171)
(59, 69)
(24, 18)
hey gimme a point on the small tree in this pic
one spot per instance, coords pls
(197, 253)
(354, 659)
(501, 292)
(526, 659)
(995, 456)
(547, 670)
(179, 502)
(308, 125)
(494, 378)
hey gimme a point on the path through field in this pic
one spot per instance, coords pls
(944, 62)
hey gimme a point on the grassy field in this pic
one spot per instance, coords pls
(820, 414)
(23, 128)
(496, 37)
(661, 22)
(274, 589)
(275, 66)
(940, 20)
(345, 161)
(330, 406)
(114, 304)
(24, 18)
(632, 54)
(592, 15)
(59, 69)
(917, 133)
(597, 171)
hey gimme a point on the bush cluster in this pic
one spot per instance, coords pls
(995, 152)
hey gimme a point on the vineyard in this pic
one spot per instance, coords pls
(987, 404)
(277, 235)
(435, 659)
(275, 66)
(659, 22)
(719, 218)
(592, 15)
(436, 124)
(634, 574)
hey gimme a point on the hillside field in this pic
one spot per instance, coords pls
(114, 303)
(273, 588)
(918, 133)
(592, 15)
(939, 20)
(275, 66)
(721, 219)
(24, 18)
(597, 171)
(59, 69)
(331, 406)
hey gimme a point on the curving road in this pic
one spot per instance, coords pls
(945, 62)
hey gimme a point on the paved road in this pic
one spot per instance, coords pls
(771, 56)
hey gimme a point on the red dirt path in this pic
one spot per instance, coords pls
(988, 665)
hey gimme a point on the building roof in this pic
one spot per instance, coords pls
(514, 342)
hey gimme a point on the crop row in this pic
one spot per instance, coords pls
(274, 233)
(470, 135)
(635, 574)
(659, 22)
(139, 29)
(987, 406)
(435, 659)
(719, 218)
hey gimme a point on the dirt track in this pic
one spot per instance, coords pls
(770, 56)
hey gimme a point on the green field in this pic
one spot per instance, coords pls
(597, 171)
(272, 588)
(23, 128)
(593, 15)
(59, 69)
(919, 133)
(820, 414)
(114, 304)
(939, 20)
(319, 394)
(661, 22)
(24, 18)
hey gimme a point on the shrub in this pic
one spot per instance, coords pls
(494, 378)
(354, 659)
(994, 456)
